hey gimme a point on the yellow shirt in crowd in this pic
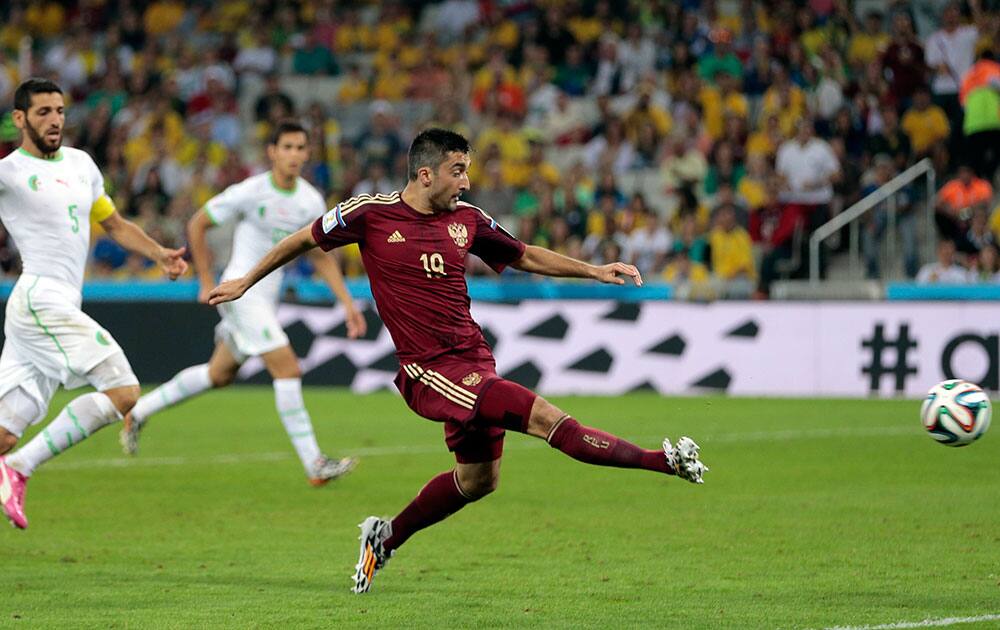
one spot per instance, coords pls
(732, 253)
(925, 128)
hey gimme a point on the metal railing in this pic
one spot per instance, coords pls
(850, 216)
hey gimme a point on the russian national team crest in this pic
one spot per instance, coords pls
(459, 233)
(471, 380)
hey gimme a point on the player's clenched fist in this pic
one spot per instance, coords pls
(172, 262)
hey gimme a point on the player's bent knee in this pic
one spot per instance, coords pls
(7, 441)
(18, 411)
(544, 418)
(124, 398)
(221, 378)
(478, 488)
(478, 480)
(506, 404)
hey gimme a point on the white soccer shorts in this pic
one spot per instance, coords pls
(49, 341)
(249, 328)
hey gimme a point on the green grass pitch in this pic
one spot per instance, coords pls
(815, 514)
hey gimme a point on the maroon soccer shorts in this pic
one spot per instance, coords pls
(448, 390)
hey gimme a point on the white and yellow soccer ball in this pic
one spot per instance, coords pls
(956, 412)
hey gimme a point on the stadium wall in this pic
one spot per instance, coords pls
(850, 349)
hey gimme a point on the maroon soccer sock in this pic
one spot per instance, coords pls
(436, 501)
(597, 447)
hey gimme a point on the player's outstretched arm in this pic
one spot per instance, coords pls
(549, 263)
(134, 238)
(287, 249)
(329, 270)
(201, 254)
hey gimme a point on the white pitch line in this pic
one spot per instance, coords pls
(926, 623)
(427, 449)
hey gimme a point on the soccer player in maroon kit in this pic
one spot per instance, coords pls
(414, 245)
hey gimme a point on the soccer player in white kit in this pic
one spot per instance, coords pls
(48, 198)
(269, 207)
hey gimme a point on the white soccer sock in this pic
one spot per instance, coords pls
(76, 422)
(291, 408)
(185, 384)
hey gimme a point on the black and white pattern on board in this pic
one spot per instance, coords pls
(604, 347)
(558, 347)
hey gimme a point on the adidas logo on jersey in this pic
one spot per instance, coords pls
(395, 237)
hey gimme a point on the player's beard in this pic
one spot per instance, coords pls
(445, 203)
(46, 146)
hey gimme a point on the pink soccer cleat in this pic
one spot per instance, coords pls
(12, 485)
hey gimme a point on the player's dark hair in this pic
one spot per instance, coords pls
(431, 147)
(286, 126)
(27, 89)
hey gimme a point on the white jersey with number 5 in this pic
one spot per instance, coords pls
(266, 215)
(45, 205)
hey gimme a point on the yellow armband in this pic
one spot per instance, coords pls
(102, 209)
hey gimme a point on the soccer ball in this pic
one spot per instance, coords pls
(956, 412)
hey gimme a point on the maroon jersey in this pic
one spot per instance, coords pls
(416, 266)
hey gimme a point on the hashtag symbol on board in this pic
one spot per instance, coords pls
(901, 345)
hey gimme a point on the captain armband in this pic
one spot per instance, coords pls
(102, 209)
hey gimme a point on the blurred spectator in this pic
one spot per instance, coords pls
(376, 180)
(721, 59)
(986, 267)
(259, 57)
(955, 202)
(981, 98)
(555, 37)
(951, 51)
(903, 61)
(611, 150)
(723, 168)
(649, 243)
(354, 88)
(890, 139)
(638, 57)
(379, 141)
(313, 57)
(690, 278)
(809, 168)
(608, 78)
(867, 43)
(731, 253)
(945, 270)
(273, 104)
(925, 124)
(573, 74)
(979, 235)
(690, 239)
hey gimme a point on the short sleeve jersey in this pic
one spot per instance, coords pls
(45, 206)
(416, 266)
(266, 214)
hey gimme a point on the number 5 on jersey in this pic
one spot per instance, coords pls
(433, 265)
(74, 218)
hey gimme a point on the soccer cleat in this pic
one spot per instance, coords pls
(327, 469)
(129, 435)
(12, 487)
(374, 532)
(683, 458)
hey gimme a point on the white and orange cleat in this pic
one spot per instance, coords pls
(128, 437)
(12, 487)
(326, 469)
(374, 532)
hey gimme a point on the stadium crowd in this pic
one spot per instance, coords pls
(700, 140)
